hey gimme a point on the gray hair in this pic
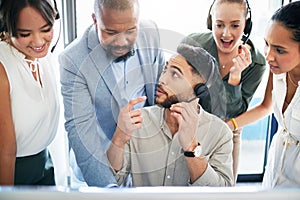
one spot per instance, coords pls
(114, 4)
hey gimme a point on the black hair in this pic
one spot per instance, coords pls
(10, 11)
(289, 16)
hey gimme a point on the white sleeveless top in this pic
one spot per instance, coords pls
(35, 108)
(283, 165)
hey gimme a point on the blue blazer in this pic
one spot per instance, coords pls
(92, 101)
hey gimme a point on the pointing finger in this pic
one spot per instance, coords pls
(135, 101)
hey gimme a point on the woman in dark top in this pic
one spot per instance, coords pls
(241, 65)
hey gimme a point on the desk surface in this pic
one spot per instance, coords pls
(145, 193)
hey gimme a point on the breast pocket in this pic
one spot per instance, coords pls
(295, 121)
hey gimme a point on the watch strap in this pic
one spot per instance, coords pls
(190, 153)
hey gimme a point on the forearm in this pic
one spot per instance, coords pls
(8, 145)
(258, 112)
(7, 169)
(115, 152)
(196, 166)
(240, 96)
(115, 156)
(253, 115)
(8, 152)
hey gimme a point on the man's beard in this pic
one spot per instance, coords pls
(169, 101)
(110, 49)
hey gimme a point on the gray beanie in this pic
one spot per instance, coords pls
(200, 60)
(207, 66)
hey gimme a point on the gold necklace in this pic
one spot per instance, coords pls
(224, 66)
(291, 80)
(239, 52)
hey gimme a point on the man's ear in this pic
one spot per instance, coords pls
(95, 21)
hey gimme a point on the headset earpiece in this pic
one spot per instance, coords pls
(247, 30)
(201, 92)
(208, 20)
(248, 25)
(53, 4)
(57, 16)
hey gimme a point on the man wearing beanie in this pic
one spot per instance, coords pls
(175, 142)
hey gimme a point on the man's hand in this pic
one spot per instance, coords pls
(188, 119)
(128, 121)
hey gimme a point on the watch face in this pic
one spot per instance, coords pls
(198, 151)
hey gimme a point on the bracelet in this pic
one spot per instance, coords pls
(235, 125)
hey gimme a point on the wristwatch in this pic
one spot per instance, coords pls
(196, 153)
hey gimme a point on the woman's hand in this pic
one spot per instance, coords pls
(241, 62)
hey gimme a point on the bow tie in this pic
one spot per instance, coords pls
(125, 57)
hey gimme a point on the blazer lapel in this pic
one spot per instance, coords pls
(143, 53)
(103, 65)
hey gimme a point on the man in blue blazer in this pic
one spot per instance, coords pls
(118, 58)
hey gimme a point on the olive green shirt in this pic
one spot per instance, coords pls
(238, 97)
(155, 158)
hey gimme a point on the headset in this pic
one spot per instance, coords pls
(57, 17)
(201, 91)
(248, 25)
